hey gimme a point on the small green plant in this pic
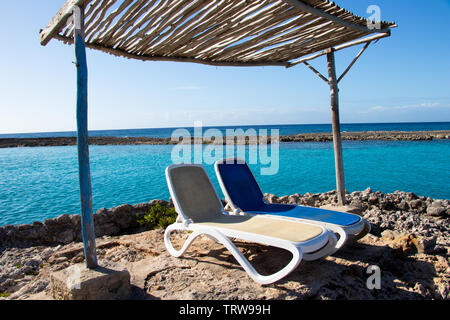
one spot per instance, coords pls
(158, 216)
(32, 273)
(4, 294)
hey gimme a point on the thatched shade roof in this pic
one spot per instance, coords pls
(217, 32)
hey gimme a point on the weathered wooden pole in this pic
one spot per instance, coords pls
(87, 218)
(339, 164)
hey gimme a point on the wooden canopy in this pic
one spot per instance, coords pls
(214, 32)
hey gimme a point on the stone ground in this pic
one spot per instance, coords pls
(409, 242)
(209, 271)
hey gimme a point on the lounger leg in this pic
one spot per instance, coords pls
(343, 236)
(329, 249)
(295, 261)
(219, 237)
(363, 233)
(168, 243)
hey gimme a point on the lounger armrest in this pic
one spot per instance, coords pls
(181, 220)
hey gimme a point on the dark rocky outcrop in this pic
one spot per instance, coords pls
(404, 213)
(304, 137)
(67, 228)
(409, 242)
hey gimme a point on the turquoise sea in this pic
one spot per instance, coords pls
(40, 183)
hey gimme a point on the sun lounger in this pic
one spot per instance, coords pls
(244, 196)
(201, 212)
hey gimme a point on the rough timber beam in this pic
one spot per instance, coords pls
(353, 61)
(336, 127)
(87, 218)
(59, 20)
(307, 8)
(121, 53)
(339, 47)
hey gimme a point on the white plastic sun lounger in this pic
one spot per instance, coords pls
(201, 212)
(244, 196)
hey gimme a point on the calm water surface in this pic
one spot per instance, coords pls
(40, 183)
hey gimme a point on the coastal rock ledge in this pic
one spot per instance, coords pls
(409, 242)
(301, 137)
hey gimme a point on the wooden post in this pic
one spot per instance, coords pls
(87, 218)
(339, 164)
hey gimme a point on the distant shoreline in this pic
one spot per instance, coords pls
(302, 137)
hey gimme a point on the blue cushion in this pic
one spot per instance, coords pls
(241, 185)
(245, 193)
(316, 214)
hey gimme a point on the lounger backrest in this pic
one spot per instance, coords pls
(240, 185)
(192, 191)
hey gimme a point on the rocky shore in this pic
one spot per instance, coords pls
(409, 241)
(306, 137)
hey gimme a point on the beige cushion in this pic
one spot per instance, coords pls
(283, 229)
(198, 200)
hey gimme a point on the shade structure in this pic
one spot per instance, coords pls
(216, 32)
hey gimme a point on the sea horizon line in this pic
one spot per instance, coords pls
(225, 126)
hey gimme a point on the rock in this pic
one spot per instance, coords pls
(367, 191)
(373, 199)
(123, 215)
(404, 244)
(107, 229)
(436, 209)
(415, 204)
(365, 194)
(356, 203)
(425, 245)
(108, 282)
(34, 262)
(24, 227)
(142, 207)
(293, 199)
(403, 206)
(210, 272)
(63, 219)
(67, 228)
(50, 222)
(28, 289)
(101, 211)
(348, 209)
(389, 235)
(161, 202)
(65, 237)
(271, 198)
(101, 217)
(407, 245)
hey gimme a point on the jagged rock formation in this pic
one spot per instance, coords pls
(410, 243)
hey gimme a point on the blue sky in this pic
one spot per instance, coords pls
(404, 78)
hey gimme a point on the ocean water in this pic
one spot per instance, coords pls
(40, 183)
(290, 129)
